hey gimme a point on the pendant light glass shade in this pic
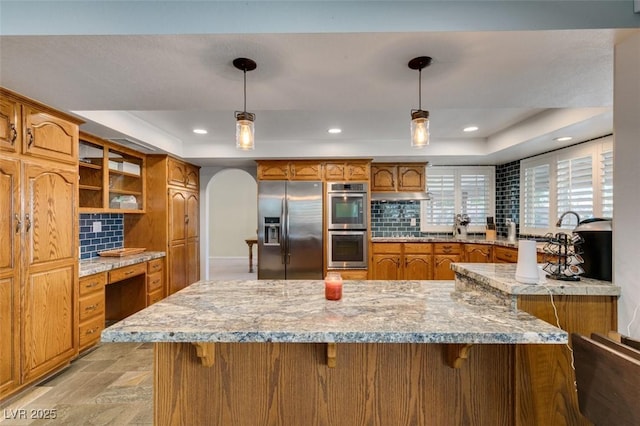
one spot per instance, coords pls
(419, 118)
(419, 128)
(245, 130)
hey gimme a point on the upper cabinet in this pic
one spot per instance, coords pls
(32, 129)
(347, 170)
(408, 177)
(111, 177)
(181, 174)
(330, 170)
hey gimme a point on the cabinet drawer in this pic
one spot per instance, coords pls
(447, 248)
(418, 248)
(154, 282)
(127, 272)
(155, 265)
(154, 297)
(92, 283)
(353, 274)
(387, 248)
(90, 331)
(505, 254)
(91, 306)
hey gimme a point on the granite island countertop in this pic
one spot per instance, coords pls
(96, 265)
(296, 311)
(501, 277)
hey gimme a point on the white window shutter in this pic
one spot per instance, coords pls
(574, 188)
(535, 196)
(475, 197)
(440, 210)
(606, 183)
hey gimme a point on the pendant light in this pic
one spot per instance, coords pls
(245, 130)
(419, 118)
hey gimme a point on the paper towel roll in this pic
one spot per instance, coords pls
(527, 268)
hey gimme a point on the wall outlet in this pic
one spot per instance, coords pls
(413, 221)
(97, 226)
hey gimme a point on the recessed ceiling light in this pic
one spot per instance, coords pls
(470, 129)
(334, 130)
(200, 131)
(563, 139)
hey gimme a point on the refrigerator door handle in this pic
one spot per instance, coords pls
(286, 224)
(283, 232)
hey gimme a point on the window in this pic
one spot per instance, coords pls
(458, 190)
(578, 178)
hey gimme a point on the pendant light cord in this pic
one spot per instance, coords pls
(420, 89)
(245, 90)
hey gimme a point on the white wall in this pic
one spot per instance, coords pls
(626, 182)
(233, 209)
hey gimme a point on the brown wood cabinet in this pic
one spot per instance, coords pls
(505, 254)
(173, 212)
(347, 170)
(408, 177)
(91, 309)
(109, 176)
(10, 236)
(478, 253)
(155, 281)
(401, 261)
(39, 235)
(290, 170)
(10, 126)
(444, 255)
(183, 175)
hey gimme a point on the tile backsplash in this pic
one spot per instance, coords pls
(507, 196)
(393, 219)
(111, 235)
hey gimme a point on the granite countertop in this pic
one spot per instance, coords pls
(101, 264)
(296, 311)
(501, 277)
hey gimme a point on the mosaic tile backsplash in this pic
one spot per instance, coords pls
(111, 236)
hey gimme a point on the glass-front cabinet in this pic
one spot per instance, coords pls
(111, 177)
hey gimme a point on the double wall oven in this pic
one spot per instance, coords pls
(348, 217)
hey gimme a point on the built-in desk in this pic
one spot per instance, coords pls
(112, 288)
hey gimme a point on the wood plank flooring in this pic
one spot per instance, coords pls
(111, 385)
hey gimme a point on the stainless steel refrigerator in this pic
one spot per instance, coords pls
(290, 230)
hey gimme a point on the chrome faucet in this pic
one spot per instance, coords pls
(559, 222)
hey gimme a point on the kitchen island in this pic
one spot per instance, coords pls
(544, 374)
(390, 352)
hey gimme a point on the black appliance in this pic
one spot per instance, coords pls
(596, 248)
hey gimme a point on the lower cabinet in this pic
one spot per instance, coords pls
(401, 261)
(478, 253)
(91, 309)
(505, 255)
(444, 254)
(111, 296)
(352, 274)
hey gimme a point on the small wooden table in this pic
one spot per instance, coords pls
(250, 242)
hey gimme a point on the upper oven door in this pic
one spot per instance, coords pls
(347, 210)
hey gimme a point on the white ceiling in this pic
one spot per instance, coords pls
(521, 88)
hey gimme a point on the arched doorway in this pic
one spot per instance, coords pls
(232, 218)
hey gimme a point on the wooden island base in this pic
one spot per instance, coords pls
(371, 384)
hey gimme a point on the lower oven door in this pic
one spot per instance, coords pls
(347, 250)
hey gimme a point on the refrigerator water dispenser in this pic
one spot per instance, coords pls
(272, 231)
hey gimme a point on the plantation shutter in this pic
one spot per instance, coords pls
(440, 210)
(535, 190)
(606, 183)
(475, 197)
(574, 188)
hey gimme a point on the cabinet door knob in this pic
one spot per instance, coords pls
(28, 219)
(18, 223)
(31, 137)
(186, 219)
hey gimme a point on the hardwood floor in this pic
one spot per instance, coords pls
(110, 385)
